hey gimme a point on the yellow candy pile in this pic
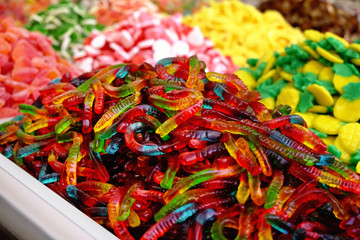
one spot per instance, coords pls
(241, 31)
(319, 79)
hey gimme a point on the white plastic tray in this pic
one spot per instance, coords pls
(30, 210)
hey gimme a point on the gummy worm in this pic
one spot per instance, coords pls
(198, 178)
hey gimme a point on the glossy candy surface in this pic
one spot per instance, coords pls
(166, 161)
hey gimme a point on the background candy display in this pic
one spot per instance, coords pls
(27, 63)
(20, 10)
(181, 6)
(319, 79)
(146, 37)
(241, 31)
(324, 16)
(108, 12)
(66, 24)
(173, 152)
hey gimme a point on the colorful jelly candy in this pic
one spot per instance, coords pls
(173, 152)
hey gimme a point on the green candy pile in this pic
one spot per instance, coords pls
(66, 24)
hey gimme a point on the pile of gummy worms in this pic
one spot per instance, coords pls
(174, 152)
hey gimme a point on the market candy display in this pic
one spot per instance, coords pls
(319, 79)
(146, 37)
(109, 12)
(180, 6)
(241, 31)
(27, 63)
(13, 9)
(66, 24)
(172, 151)
(324, 16)
(20, 10)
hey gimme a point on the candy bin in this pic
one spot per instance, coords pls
(174, 151)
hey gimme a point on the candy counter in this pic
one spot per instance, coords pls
(148, 127)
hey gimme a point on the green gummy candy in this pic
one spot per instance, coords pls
(289, 51)
(353, 69)
(306, 101)
(328, 85)
(351, 91)
(311, 44)
(351, 53)
(276, 54)
(298, 80)
(252, 72)
(266, 89)
(296, 63)
(334, 150)
(282, 60)
(336, 44)
(318, 133)
(252, 62)
(355, 158)
(299, 52)
(325, 61)
(352, 167)
(342, 69)
(301, 81)
(259, 70)
(325, 44)
(288, 68)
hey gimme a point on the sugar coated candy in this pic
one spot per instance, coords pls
(172, 151)
(27, 63)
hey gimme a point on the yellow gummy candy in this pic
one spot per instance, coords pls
(313, 67)
(345, 156)
(268, 102)
(309, 50)
(308, 117)
(355, 47)
(266, 76)
(326, 74)
(347, 111)
(329, 140)
(341, 81)
(327, 124)
(314, 35)
(343, 41)
(287, 76)
(356, 61)
(221, 23)
(318, 109)
(358, 167)
(289, 96)
(331, 56)
(247, 78)
(322, 96)
(270, 63)
(349, 137)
